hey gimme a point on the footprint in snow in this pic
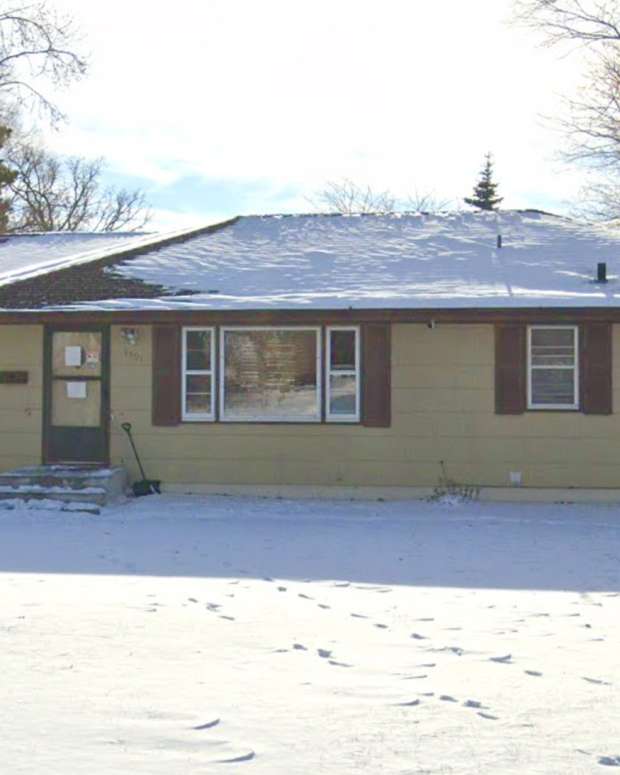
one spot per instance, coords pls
(229, 618)
(281, 589)
(305, 597)
(299, 647)
(426, 619)
(428, 664)
(359, 616)
(342, 584)
(488, 716)
(609, 761)
(213, 606)
(472, 704)
(417, 636)
(192, 599)
(339, 664)
(533, 672)
(323, 606)
(506, 659)
(414, 677)
(244, 758)
(410, 704)
(457, 650)
(447, 698)
(596, 681)
(381, 626)
(208, 725)
(324, 653)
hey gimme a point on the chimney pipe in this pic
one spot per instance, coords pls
(601, 272)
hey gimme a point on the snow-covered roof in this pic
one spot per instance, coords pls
(395, 260)
(27, 255)
(330, 262)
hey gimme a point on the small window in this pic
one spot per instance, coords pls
(553, 375)
(342, 379)
(198, 399)
(270, 375)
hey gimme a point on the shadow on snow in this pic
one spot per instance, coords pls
(499, 546)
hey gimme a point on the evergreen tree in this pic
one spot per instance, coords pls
(485, 191)
(7, 176)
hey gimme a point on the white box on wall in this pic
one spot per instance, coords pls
(76, 389)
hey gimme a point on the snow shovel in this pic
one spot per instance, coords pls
(144, 486)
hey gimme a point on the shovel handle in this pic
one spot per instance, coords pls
(126, 426)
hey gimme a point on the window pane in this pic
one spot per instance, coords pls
(342, 350)
(198, 394)
(553, 386)
(270, 374)
(198, 349)
(342, 394)
(198, 403)
(553, 347)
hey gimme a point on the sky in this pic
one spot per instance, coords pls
(224, 107)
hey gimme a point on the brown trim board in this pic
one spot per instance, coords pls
(307, 317)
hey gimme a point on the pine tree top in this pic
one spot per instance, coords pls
(485, 191)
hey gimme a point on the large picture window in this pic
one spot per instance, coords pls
(270, 374)
(198, 396)
(553, 373)
(342, 375)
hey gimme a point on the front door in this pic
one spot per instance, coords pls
(76, 408)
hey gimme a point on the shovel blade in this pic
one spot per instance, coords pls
(146, 487)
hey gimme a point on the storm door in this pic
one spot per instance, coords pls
(76, 407)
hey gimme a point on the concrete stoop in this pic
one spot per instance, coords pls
(65, 488)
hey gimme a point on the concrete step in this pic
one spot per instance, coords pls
(47, 504)
(64, 484)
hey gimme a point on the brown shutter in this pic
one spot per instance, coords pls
(166, 375)
(510, 390)
(376, 375)
(595, 377)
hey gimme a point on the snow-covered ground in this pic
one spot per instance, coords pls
(187, 635)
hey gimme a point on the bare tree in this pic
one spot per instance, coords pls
(591, 123)
(599, 200)
(426, 202)
(36, 44)
(587, 21)
(346, 196)
(55, 193)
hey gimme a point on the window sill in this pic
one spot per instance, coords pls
(554, 409)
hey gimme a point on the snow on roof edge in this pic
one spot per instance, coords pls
(127, 246)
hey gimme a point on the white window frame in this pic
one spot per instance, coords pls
(185, 372)
(356, 372)
(266, 418)
(530, 368)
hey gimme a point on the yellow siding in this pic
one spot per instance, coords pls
(442, 410)
(21, 349)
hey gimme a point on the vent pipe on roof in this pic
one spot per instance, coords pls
(601, 272)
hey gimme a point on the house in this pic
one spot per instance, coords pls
(323, 353)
